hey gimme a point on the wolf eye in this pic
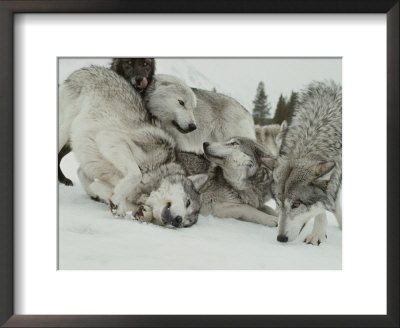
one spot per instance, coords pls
(234, 143)
(130, 62)
(181, 102)
(187, 203)
(144, 64)
(296, 204)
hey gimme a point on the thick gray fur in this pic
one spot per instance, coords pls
(308, 174)
(271, 136)
(239, 183)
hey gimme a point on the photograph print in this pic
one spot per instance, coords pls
(199, 163)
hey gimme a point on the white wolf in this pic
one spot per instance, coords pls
(213, 117)
(115, 144)
(308, 173)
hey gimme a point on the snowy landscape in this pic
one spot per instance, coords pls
(90, 237)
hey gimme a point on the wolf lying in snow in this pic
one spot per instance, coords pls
(308, 173)
(239, 180)
(212, 117)
(239, 183)
(116, 147)
(271, 136)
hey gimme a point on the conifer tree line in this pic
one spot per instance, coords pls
(262, 108)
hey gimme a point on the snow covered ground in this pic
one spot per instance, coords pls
(91, 238)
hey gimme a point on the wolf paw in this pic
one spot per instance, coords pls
(272, 222)
(144, 213)
(113, 207)
(315, 239)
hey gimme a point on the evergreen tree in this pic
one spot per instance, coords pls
(281, 110)
(290, 106)
(214, 89)
(284, 108)
(262, 108)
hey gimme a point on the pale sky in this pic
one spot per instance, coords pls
(241, 76)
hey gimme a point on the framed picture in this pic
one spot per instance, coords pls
(170, 249)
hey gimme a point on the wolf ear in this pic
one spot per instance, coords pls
(198, 180)
(322, 174)
(283, 126)
(266, 131)
(269, 162)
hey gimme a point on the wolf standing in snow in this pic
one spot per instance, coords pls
(307, 177)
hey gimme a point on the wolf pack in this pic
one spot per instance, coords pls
(159, 151)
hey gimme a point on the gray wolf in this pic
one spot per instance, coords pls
(307, 176)
(239, 181)
(271, 136)
(167, 197)
(116, 147)
(207, 115)
(138, 72)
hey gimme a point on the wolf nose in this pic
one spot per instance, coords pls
(177, 221)
(205, 144)
(192, 127)
(138, 79)
(282, 238)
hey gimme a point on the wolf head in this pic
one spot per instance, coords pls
(240, 158)
(172, 102)
(299, 189)
(271, 136)
(137, 71)
(176, 202)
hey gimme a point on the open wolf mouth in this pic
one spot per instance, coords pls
(179, 128)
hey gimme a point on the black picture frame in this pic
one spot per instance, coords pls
(7, 11)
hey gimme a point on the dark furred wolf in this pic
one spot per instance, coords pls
(138, 72)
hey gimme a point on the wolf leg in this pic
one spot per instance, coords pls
(98, 190)
(269, 210)
(102, 189)
(119, 150)
(318, 233)
(85, 182)
(245, 213)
